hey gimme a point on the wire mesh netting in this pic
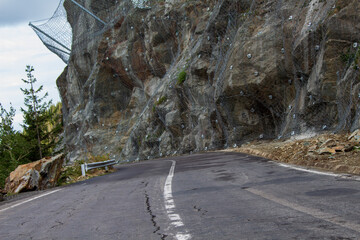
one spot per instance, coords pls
(215, 87)
(55, 33)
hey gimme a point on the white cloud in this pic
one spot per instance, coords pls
(22, 11)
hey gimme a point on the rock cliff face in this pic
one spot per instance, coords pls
(184, 76)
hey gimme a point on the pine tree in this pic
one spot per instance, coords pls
(37, 117)
(41, 129)
(14, 149)
(54, 128)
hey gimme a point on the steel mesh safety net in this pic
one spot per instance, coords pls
(55, 33)
(280, 107)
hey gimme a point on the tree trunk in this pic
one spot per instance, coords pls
(36, 121)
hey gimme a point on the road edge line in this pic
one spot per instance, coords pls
(344, 176)
(29, 200)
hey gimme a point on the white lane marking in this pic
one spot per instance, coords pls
(318, 172)
(332, 218)
(29, 200)
(175, 219)
(308, 170)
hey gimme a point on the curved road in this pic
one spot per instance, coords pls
(204, 196)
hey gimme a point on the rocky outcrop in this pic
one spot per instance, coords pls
(185, 76)
(37, 175)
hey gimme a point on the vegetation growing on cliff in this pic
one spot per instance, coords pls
(181, 77)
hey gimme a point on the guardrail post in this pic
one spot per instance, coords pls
(83, 170)
(88, 166)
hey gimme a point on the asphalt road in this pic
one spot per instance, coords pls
(205, 196)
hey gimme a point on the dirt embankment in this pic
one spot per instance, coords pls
(331, 152)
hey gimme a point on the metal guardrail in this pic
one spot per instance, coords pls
(88, 166)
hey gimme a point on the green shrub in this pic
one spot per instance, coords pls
(161, 100)
(181, 77)
(70, 174)
(347, 57)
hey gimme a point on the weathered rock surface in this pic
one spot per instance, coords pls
(37, 175)
(254, 69)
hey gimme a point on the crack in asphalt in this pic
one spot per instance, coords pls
(25, 236)
(145, 184)
(154, 223)
(316, 213)
(200, 210)
(58, 224)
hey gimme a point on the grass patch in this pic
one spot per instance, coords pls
(72, 173)
(161, 100)
(349, 58)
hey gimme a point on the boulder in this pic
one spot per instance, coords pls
(37, 175)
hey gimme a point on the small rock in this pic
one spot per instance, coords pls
(356, 170)
(349, 148)
(326, 150)
(355, 135)
(311, 156)
(339, 148)
(329, 143)
(341, 168)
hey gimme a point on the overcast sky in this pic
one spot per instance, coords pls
(20, 46)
